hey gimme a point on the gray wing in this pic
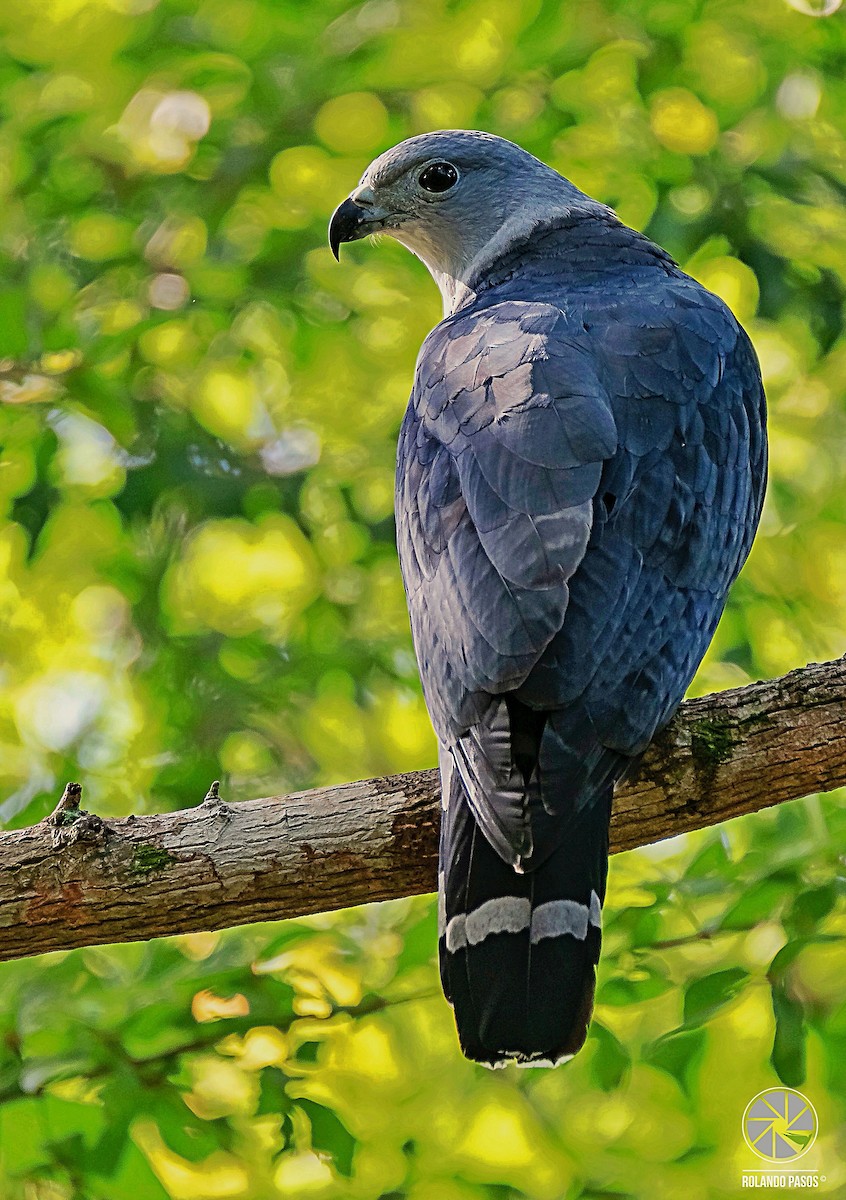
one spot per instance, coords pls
(675, 515)
(500, 457)
(575, 494)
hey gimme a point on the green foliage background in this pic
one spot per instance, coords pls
(198, 413)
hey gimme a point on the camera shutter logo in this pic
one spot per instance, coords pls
(780, 1125)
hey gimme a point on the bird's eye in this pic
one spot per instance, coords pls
(438, 177)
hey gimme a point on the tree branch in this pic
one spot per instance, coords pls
(76, 880)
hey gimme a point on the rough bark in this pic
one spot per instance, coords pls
(76, 880)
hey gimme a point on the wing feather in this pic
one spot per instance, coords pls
(577, 489)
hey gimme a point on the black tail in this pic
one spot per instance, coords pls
(518, 952)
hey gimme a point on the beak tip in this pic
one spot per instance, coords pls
(347, 225)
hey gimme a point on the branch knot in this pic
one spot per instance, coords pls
(71, 824)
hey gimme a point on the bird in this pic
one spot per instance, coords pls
(580, 474)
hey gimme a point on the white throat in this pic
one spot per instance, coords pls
(456, 282)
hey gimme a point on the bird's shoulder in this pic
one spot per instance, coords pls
(498, 357)
(633, 327)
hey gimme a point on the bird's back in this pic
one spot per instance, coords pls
(580, 475)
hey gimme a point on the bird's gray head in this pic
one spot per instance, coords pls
(456, 199)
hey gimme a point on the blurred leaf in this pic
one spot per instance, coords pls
(14, 342)
(709, 862)
(187, 1135)
(420, 942)
(759, 903)
(679, 1054)
(610, 1060)
(22, 1142)
(705, 997)
(621, 990)
(788, 954)
(132, 1180)
(329, 1135)
(646, 927)
(811, 907)
(273, 1097)
(788, 1056)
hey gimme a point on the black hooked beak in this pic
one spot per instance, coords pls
(349, 223)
